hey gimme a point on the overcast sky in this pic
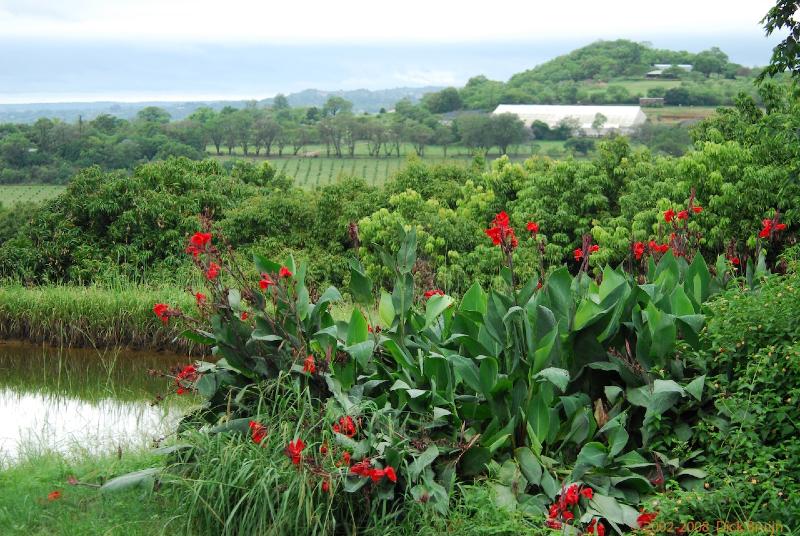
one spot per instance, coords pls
(85, 49)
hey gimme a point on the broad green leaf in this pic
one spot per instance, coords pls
(360, 284)
(538, 415)
(386, 309)
(357, 330)
(593, 454)
(663, 332)
(143, 478)
(407, 255)
(488, 375)
(422, 461)
(468, 371)
(695, 387)
(435, 306)
(474, 299)
(234, 299)
(361, 352)
(556, 376)
(529, 465)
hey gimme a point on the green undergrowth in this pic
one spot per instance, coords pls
(81, 510)
(91, 316)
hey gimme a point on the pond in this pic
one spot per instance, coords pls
(83, 401)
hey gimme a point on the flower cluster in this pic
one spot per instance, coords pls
(265, 282)
(213, 271)
(257, 432)
(560, 511)
(163, 312)
(502, 234)
(645, 518)
(433, 292)
(771, 226)
(578, 253)
(198, 243)
(670, 215)
(364, 469)
(309, 365)
(345, 426)
(294, 449)
(187, 374)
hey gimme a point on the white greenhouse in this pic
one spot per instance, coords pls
(588, 120)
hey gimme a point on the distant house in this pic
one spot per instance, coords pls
(651, 102)
(588, 120)
(659, 68)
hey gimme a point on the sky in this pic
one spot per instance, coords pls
(177, 50)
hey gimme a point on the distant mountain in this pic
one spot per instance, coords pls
(363, 100)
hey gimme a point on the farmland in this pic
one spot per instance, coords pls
(13, 194)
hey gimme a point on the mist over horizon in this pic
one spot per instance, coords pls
(50, 71)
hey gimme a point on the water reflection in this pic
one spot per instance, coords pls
(81, 400)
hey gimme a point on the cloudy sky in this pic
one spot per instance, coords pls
(143, 49)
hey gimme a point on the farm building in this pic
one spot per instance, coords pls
(588, 120)
(659, 68)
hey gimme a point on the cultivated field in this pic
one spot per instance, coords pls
(678, 114)
(22, 193)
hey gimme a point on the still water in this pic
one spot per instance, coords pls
(82, 401)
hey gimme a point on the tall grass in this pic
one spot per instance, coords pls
(92, 316)
(231, 486)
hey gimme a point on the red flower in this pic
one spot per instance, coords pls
(323, 449)
(294, 449)
(578, 253)
(697, 210)
(734, 261)
(193, 250)
(553, 524)
(533, 227)
(161, 310)
(265, 281)
(587, 492)
(567, 515)
(257, 432)
(213, 271)
(434, 292)
(54, 495)
(638, 250)
(345, 426)
(669, 215)
(663, 248)
(188, 373)
(346, 458)
(326, 487)
(181, 391)
(780, 227)
(501, 234)
(683, 215)
(594, 249)
(390, 474)
(200, 298)
(596, 524)
(377, 474)
(362, 468)
(308, 365)
(284, 272)
(200, 240)
(571, 496)
(244, 315)
(645, 519)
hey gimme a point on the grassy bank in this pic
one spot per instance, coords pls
(81, 509)
(92, 316)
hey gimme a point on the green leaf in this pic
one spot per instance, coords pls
(357, 330)
(234, 299)
(360, 284)
(538, 415)
(198, 337)
(529, 465)
(680, 304)
(698, 280)
(474, 300)
(695, 387)
(663, 332)
(407, 255)
(435, 306)
(488, 375)
(386, 309)
(556, 376)
(361, 352)
(144, 478)
(422, 461)
(593, 454)
(266, 266)
(468, 371)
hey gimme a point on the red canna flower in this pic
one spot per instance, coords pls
(780, 227)
(434, 292)
(567, 515)
(181, 391)
(594, 249)
(188, 373)
(345, 426)
(284, 272)
(346, 458)
(638, 250)
(697, 210)
(309, 365)
(734, 261)
(323, 449)
(265, 281)
(653, 245)
(362, 468)
(501, 234)
(192, 250)
(663, 248)
(294, 449)
(595, 524)
(213, 271)
(587, 492)
(390, 474)
(553, 524)
(645, 519)
(578, 254)
(244, 315)
(54, 495)
(571, 496)
(200, 298)
(533, 227)
(377, 474)
(200, 240)
(326, 487)
(257, 432)
(683, 215)
(669, 215)
(161, 310)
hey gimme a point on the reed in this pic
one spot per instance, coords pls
(93, 316)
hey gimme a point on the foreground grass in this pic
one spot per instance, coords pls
(91, 316)
(81, 509)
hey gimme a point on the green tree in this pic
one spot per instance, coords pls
(786, 54)
(507, 129)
